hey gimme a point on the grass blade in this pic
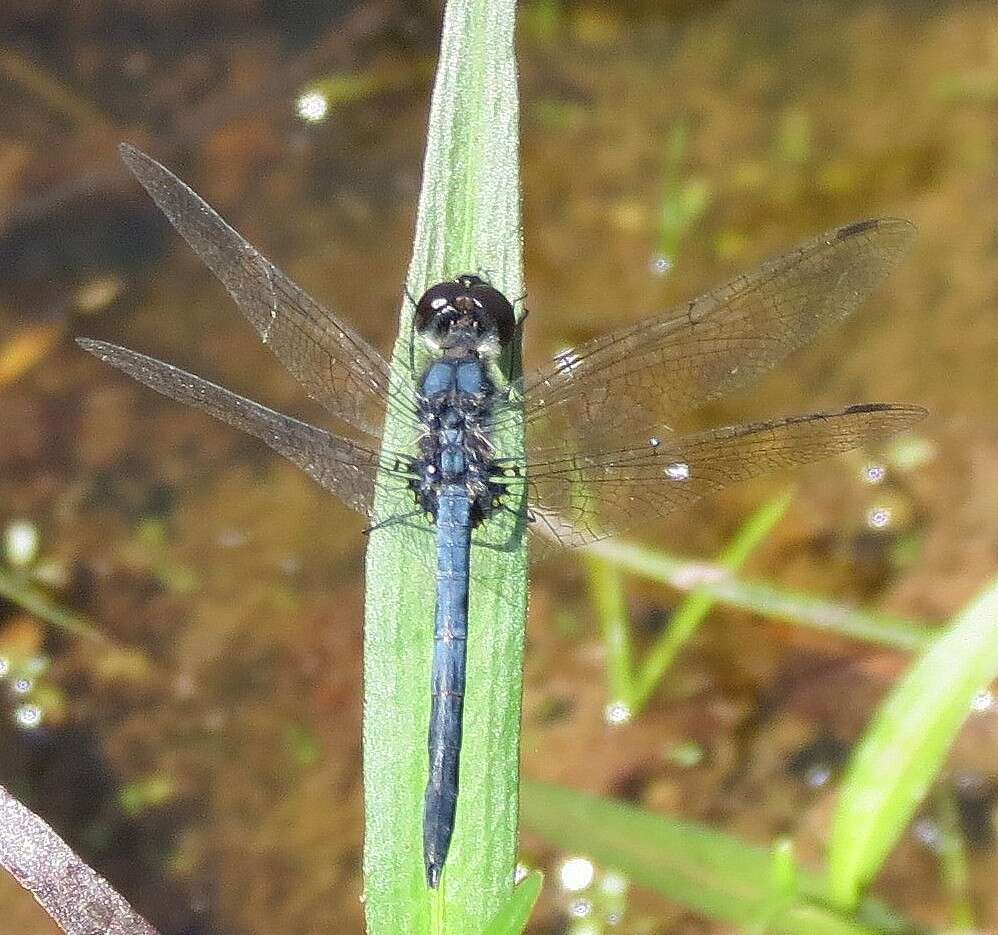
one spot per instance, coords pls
(468, 220)
(764, 599)
(513, 917)
(906, 745)
(704, 870)
(606, 586)
(691, 613)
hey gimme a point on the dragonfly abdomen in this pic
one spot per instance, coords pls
(450, 636)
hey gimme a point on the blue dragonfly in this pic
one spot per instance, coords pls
(599, 458)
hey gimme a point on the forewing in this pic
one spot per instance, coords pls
(639, 377)
(334, 364)
(342, 467)
(580, 498)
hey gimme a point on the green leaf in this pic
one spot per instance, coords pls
(468, 220)
(706, 871)
(692, 612)
(906, 745)
(513, 917)
(792, 607)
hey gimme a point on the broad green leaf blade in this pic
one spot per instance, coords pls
(468, 220)
(513, 917)
(706, 871)
(906, 745)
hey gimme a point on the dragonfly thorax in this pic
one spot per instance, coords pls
(455, 449)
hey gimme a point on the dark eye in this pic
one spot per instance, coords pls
(434, 301)
(494, 304)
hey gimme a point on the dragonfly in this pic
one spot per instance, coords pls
(599, 456)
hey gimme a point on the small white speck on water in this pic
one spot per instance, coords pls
(21, 542)
(660, 265)
(613, 884)
(654, 441)
(817, 775)
(576, 873)
(616, 713)
(874, 473)
(678, 470)
(581, 908)
(928, 832)
(983, 701)
(28, 716)
(312, 106)
(878, 518)
(23, 685)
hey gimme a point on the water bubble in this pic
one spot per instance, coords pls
(28, 716)
(21, 541)
(312, 106)
(878, 518)
(576, 874)
(654, 441)
(983, 701)
(581, 908)
(874, 473)
(23, 685)
(4, 666)
(928, 832)
(817, 775)
(660, 265)
(617, 712)
(613, 884)
(678, 470)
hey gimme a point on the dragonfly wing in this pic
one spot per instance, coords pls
(334, 364)
(341, 466)
(640, 376)
(579, 498)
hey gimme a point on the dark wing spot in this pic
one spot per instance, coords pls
(856, 228)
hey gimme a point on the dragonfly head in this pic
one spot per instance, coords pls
(465, 312)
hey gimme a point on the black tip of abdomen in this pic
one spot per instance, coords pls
(433, 871)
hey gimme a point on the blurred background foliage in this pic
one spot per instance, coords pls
(180, 638)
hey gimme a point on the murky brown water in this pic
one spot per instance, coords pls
(205, 754)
